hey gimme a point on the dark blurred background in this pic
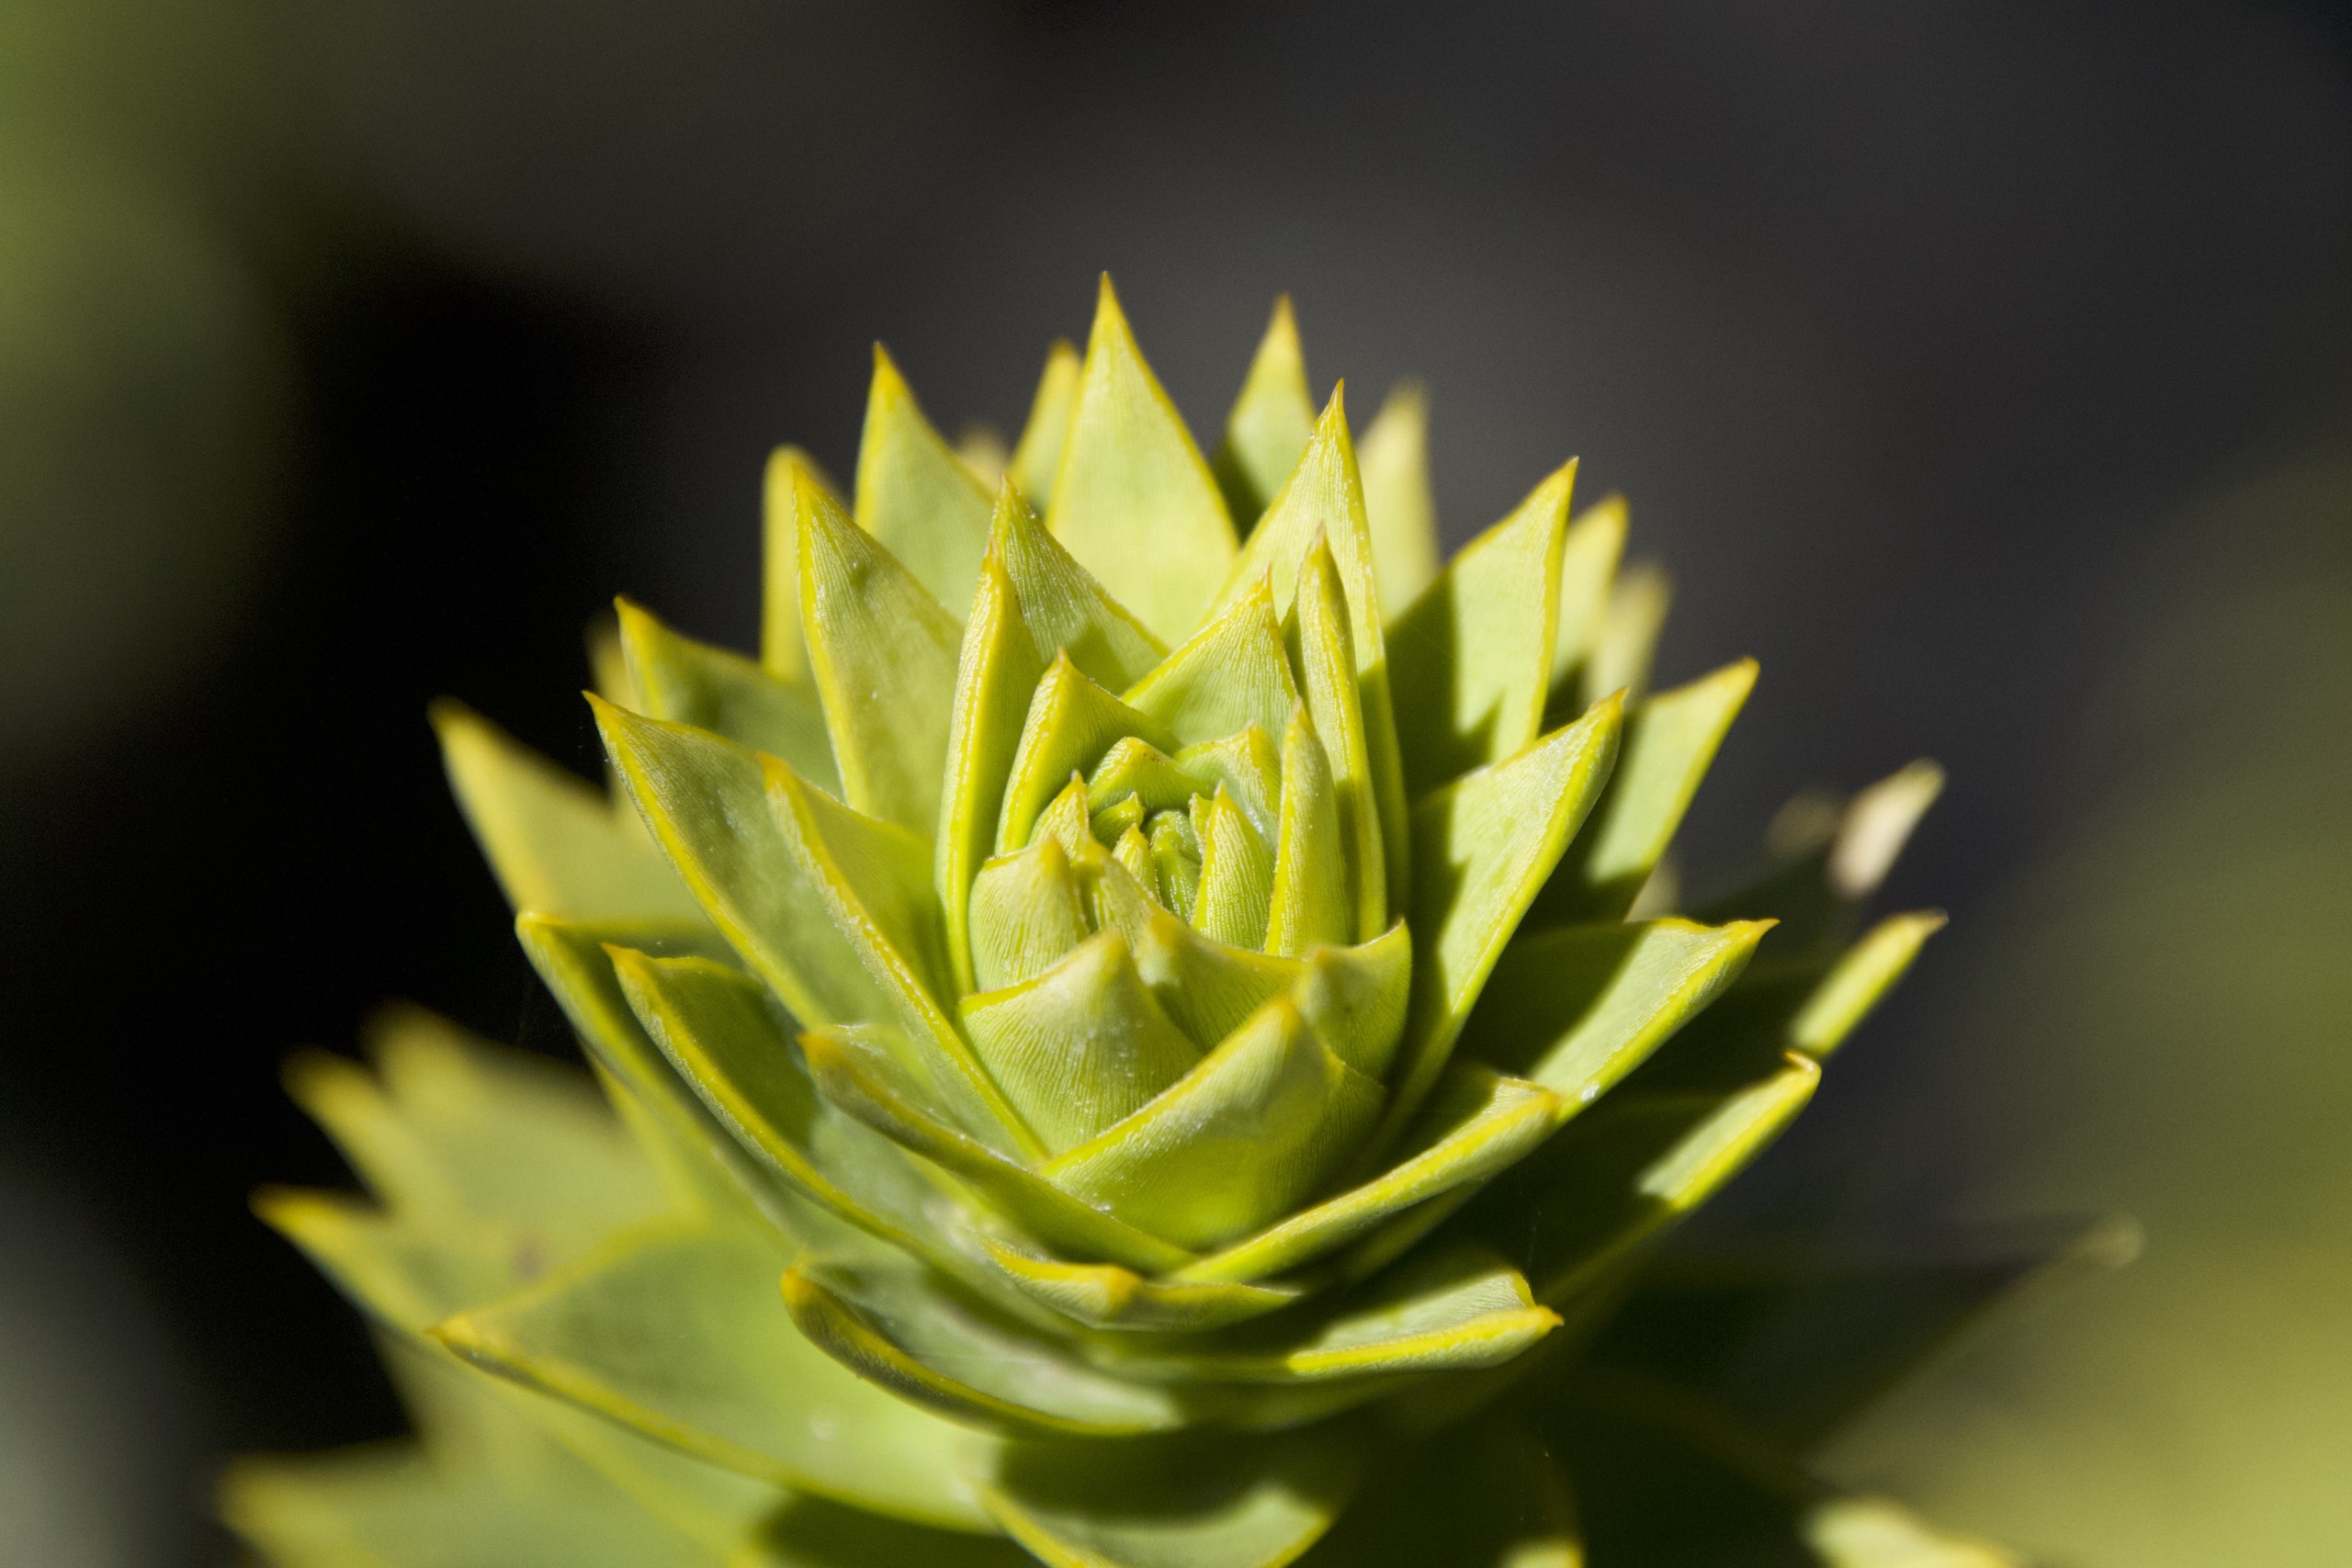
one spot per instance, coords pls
(1983, 368)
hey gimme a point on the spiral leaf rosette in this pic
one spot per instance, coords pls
(1148, 1008)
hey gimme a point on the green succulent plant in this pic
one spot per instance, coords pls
(1146, 1035)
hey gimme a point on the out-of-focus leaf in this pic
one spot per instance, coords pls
(1230, 673)
(555, 842)
(1482, 846)
(1871, 1532)
(1476, 1123)
(1245, 1138)
(1670, 740)
(1489, 1497)
(784, 651)
(1185, 1502)
(1309, 901)
(1131, 500)
(1587, 567)
(1472, 658)
(1037, 457)
(1576, 1007)
(1080, 1046)
(1400, 513)
(1271, 422)
(883, 654)
(1623, 653)
(809, 1532)
(861, 1076)
(887, 1323)
(677, 1330)
(915, 495)
(456, 1126)
(1862, 975)
(388, 1507)
(687, 682)
(1617, 1175)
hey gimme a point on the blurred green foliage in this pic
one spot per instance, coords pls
(2160, 1023)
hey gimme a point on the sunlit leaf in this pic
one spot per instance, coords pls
(1476, 1123)
(686, 681)
(1250, 1133)
(1588, 556)
(1230, 673)
(1321, 646)
(1670, 739)
(1081, 1046)
(1132, 499)
(1623, 651)
(1308, 903)
(1037, 457)
(677, 1331)
(1471, 659)
(555, 842)
(883, 653)
(1103, 1295)
(1399, 510)
(915, 495)
(1482, 846)
(1269, 423)
(890, 1328)
(1070, 725)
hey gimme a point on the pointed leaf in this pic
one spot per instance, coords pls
(1236, 891)
(884, 656)
(1209, 988)
(1038, 455)
(719, 1028)
(1247, 764)
(1670, 740)
(889, 1325)
(1080, 1046)
(1476, 1123)
(832, 910)
(1103, 1295)
(1063, 605)
(1320, 644)
(1461, 1311)
(675, 1331)
(1131, 500)
(555, 843)
(1309, 902)
(916, 495)
(1589, 558)
(860, 1075)
(1246, 1137)
(784, 651)
(1400, 513)
(1617, 1175)
(1208, 1502)
(1578, 1007)
(1482, 846)
(711, 1170)
(1071, 724)
(1230, 675)
(1027, 911)
(1470, 661)
(1271, 421)
(995, 674)
(687, 682)
(1864, 975)
(1628, 642)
